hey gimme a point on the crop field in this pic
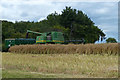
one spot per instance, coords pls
(106, 48)
(59, 66)
(61, 61)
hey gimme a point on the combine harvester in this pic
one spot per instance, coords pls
(47, 37)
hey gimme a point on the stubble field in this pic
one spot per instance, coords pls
(61, 61)
(59, 66)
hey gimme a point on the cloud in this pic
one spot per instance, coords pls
(102, 11)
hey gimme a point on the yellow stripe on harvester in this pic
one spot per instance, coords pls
(41, 41)
(57, 41)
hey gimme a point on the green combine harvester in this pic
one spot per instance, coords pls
(47, 37)
(43, 38)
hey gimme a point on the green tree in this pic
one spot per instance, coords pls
(80, 25)
(7, 30)
(111, 40)
(53, 19)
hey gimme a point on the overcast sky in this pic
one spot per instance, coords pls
(103, 14)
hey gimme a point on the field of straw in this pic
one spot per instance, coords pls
(106, 48)
(61, 61)
(59, 66)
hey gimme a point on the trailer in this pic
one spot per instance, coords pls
(20, 41)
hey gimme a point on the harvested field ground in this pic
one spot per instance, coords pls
(59, 65)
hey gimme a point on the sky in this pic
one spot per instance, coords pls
(103, 14)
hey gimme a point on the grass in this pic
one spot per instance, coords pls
(22, 74)
(59, 65)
